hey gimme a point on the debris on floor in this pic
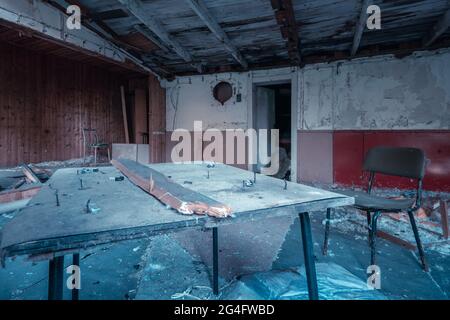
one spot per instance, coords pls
(335, 283)
(395, 227)
(19, 184)
(76, 162)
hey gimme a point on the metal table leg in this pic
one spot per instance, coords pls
(55, 278)
(76, 262)
(308, 254)
(327, 232)
(215, 262)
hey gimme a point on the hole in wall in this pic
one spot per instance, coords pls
(222, 92)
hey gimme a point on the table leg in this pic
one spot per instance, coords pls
(76, 262)
(215, 262)
(308, 254)
(55, 278)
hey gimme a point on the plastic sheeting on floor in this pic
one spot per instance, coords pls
(334, 282)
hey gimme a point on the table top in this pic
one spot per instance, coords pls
(128, 212)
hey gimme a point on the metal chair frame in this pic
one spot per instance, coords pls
(96, 145)
(374, 214)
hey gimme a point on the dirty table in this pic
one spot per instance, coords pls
(57, 221)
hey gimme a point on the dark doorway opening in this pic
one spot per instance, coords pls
(273, 111)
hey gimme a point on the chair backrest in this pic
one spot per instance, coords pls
(402, 162)
(88, 134)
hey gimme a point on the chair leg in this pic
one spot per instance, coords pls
(109, 155)
(372, 236)
(95, 156)
(327, 232)
(369, 222)
(418, 242)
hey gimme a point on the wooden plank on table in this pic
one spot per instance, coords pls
(124, 113)
(19, 194)
(128, 212)
(170, 193)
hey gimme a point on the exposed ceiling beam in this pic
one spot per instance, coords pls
(33, 16)
(199, 7)
(137, 9)
(284, 13)
(109, 14)
(96, 18)
(103, 30)
(89, 16)
(360, 25)
(438, 29)
(150, 37)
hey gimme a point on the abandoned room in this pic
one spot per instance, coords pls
(224, 150)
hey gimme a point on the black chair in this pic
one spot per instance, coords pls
(402, 162)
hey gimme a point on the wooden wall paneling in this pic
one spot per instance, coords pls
(140, 114)
(45, 101)
(157, 120)
(124, 113)
(3, 118)
(12, 136)
(35, 105)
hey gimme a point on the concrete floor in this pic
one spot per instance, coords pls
(162, 268)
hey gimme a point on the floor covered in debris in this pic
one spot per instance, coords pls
(258, 260)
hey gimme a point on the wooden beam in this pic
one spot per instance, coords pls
(438, 29)
(34, 16)
(124, 113)
(137, 9)
(360, 25)
(389, 237)
(106, 34)
(110, 35)
(109, 14)
(31, 176)
(170, 193)
(199, 7)
(150, 37)
(19, 194)
(285, 16)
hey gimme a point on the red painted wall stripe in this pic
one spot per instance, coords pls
(349, 148)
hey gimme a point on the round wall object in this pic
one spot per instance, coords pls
(223, 91)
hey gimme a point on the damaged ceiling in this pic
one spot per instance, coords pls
(182, 37)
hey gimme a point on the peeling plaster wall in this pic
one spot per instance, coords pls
(381, 100)
(190, 99)
(378, 93)
(371, 93)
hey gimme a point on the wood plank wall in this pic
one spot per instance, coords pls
(45, 101)
(157, 120)
(140, 115)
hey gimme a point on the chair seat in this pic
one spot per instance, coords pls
(366, 201)
(99, 145)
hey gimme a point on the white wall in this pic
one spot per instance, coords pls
(375, 93)
(378, 93)
(190, 99)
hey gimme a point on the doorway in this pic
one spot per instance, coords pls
(272, 110)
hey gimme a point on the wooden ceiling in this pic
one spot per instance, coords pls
(181, 37)
(32, 41)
